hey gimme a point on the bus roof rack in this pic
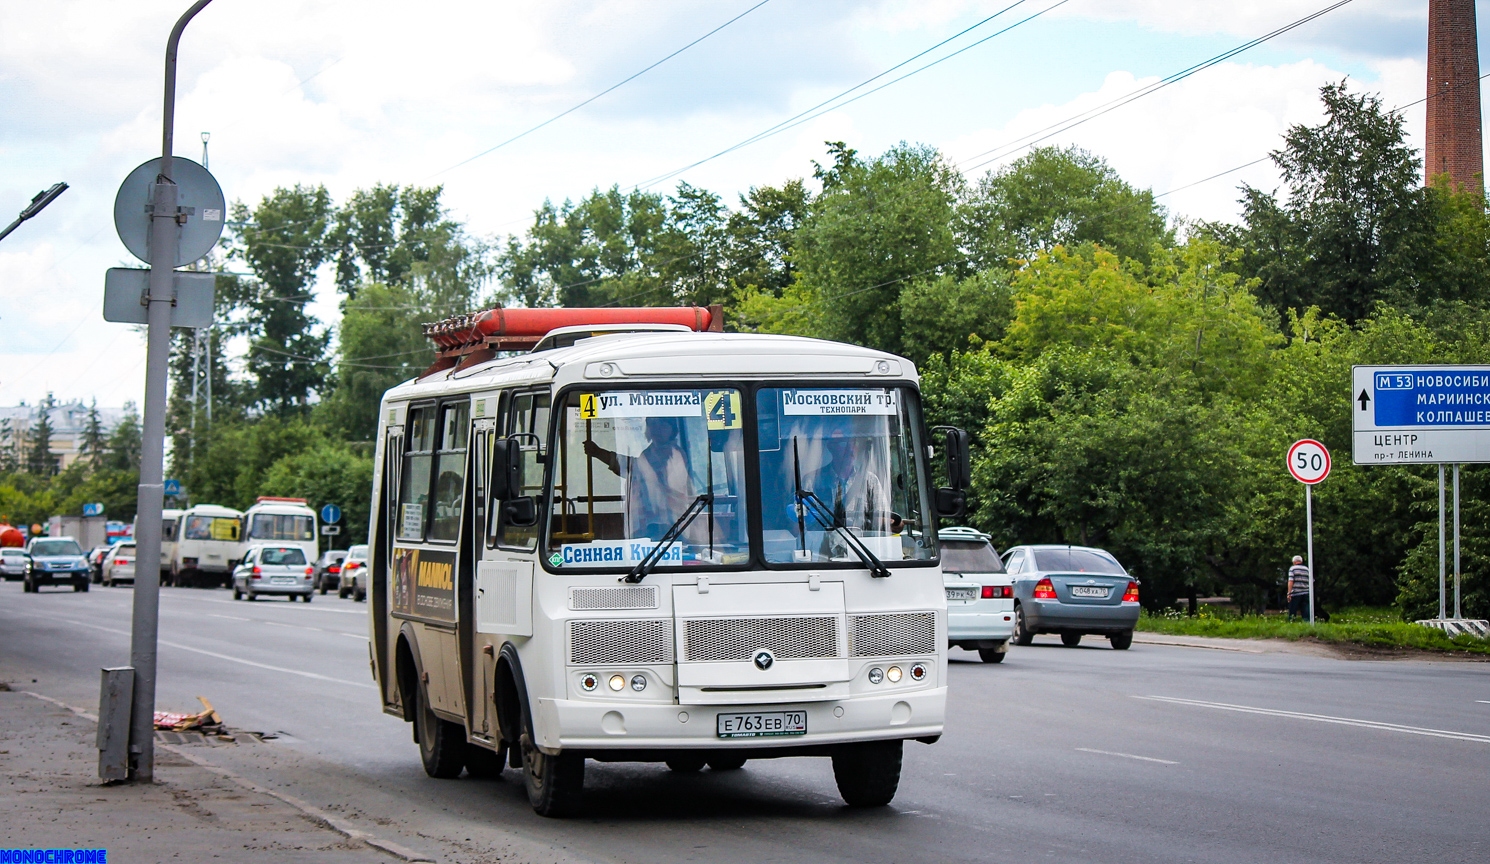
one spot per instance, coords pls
(272, 499)
(462, 341)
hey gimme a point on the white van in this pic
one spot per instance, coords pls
(284, 521)
(209, 543)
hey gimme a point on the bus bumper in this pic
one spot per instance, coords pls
(565, 724)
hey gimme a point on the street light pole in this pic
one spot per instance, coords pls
(41, 200)
(164, 243)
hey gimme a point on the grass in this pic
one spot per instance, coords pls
(1362, 626)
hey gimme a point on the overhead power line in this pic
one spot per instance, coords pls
(1033, 138)
(826, 105)
(623, 81)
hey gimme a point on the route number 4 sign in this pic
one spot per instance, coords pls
(1308, 461)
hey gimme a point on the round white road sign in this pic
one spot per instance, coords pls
(1308, 461)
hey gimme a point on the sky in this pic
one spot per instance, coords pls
(349, 93)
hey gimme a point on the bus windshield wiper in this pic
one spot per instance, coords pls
(643, 567)
(807, 501)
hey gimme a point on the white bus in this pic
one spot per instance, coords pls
(284, 521)
(679, 547)
(168, 524)
(209, 543)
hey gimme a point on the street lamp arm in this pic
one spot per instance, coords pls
(168, 127)
(41, 200)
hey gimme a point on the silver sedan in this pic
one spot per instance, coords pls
(1072, 591)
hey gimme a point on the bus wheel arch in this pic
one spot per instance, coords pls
(407, 673)
(511, 694)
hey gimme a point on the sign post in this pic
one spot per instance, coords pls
(1424, 415)
(1309, 463)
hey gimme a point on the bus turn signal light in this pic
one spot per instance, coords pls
(1045, 590)
(1131, 595)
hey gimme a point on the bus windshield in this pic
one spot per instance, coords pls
(840, 460)
(631, 462)
(276, 526)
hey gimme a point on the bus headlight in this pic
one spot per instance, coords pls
(617, 682)
(638, 683)
(876, 675)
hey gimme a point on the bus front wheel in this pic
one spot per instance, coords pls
(555, 784)
(868, 773)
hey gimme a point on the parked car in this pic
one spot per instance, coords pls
(270, 568)
(95, 561)
(328, 569)
(1072, 591)
(354, 574)
(980, 595)
(56, 561)
(119, 564)
(13, 563)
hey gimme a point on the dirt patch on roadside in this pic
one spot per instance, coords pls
(1308, 647)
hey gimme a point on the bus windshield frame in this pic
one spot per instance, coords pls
(733, 442)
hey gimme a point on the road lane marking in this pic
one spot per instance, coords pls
(1483, 701)
(356, 636)
(229, 617)
(1378, 725)
(1128, 756)
(315, 675)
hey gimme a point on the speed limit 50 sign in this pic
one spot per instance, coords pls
(1308, 461)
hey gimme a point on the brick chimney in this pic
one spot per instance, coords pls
(1454, 143)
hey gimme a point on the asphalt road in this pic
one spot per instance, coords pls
(1057, 754)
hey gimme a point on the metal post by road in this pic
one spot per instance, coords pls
(164, 240)
(1442, 608)
(1309, 542)
(1456, 541)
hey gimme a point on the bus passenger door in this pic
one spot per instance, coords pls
(504, 572)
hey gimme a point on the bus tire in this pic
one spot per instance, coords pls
(726, 763)
(867, 773)
(555, 784)
(442, 744)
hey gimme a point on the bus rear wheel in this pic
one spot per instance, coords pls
(868, 773)
(442, 744)
(555, 784)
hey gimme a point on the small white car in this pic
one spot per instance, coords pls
(354, 574)
(118, 564)
(270, 568)
(980, 595)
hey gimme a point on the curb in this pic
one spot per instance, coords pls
(315, 814)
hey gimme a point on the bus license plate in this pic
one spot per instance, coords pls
(762, 725)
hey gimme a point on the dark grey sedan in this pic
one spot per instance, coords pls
(1072, 591)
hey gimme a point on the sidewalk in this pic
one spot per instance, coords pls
(51, 798)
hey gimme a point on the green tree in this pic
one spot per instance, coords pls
(40, 459)
(123, 450)
(94, 442)
(381, 344)
(283, 246)
(328, 473)
(945, 313)
(1059, 197)
(877, 225)
(762, 236)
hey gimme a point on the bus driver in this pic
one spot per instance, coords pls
(658, 484)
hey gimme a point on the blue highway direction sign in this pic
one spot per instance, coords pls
(331, 513)
(1420, 414)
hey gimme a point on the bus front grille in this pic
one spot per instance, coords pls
(888, 635)
(739, 638)
(623, 641)
(622, 597)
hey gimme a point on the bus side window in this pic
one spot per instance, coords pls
(528, 416)
(419, 457)
(450, 468)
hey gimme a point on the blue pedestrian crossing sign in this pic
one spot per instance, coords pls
(173, 487)
(94, 509)
(330, 513)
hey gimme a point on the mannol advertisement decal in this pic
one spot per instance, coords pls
(424, 584)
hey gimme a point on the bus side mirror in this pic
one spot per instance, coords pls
(505, 477)
(521, 512)
(959, 464)
(950, 502)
